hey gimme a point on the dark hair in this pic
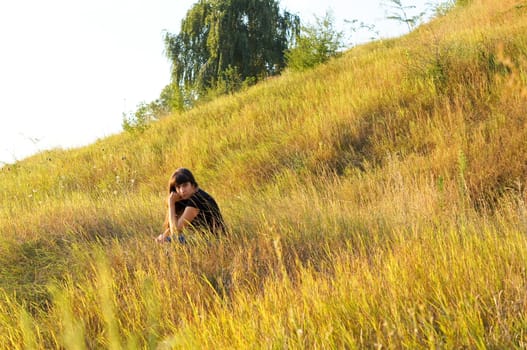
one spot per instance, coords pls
(180, 176)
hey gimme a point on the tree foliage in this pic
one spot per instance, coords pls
(444, 7)
(170, 99)
(315, 44)
(219, 37)
(401, 13)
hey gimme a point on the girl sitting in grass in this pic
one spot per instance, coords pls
(189, 209)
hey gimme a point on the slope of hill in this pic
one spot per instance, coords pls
(376, 201)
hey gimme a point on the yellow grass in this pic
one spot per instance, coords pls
(377, 201)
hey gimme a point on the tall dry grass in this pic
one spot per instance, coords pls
(375, 202)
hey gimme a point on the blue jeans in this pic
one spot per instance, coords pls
(181, 239)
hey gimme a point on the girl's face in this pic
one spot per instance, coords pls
(185, 190)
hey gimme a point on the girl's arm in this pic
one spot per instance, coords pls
(186, 218)
(172, 217)
(178, 224)
(173, 197)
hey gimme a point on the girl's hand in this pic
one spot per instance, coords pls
(164, 237)
(173, 197)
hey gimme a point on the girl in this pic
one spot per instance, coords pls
(189, 207)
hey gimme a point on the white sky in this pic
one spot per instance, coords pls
(70, 68)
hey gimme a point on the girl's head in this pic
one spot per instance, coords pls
(181, 176)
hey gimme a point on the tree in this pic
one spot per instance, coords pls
(139, 120)
(170, 99)
(401, 14)
(315, 44)
(218, 37)
(444, 7)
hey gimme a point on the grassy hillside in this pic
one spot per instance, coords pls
(377, 201)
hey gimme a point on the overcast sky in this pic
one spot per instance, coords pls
(70, 68)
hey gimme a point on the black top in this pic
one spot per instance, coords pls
(209, 216)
